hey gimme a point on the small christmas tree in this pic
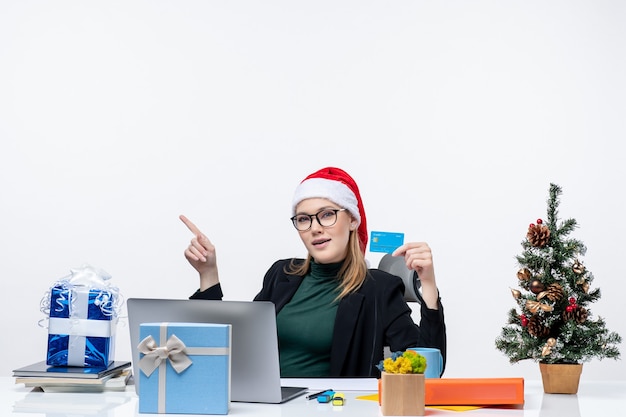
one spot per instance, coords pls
(554, 323)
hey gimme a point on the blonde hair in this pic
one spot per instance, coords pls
(352, 273)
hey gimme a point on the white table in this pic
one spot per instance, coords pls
(594, 399)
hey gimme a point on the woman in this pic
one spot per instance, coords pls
(334, 316)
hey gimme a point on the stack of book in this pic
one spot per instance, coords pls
(73, 378)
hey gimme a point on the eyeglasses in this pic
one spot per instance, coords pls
(325, 218)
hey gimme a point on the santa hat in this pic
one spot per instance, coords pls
(336, 185)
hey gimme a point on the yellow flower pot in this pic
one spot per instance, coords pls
(402, 394)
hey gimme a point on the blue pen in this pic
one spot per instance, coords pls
(317, 394)
(326, 396)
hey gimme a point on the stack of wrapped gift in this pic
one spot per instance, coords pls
(185, 368)
(83, 311)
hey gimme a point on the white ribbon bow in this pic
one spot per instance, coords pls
(174, 350)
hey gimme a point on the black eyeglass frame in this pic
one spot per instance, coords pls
(310, 216)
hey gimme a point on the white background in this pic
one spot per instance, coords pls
(453, 116)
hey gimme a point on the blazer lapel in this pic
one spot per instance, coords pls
(285, 290)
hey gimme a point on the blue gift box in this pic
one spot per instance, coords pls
(184, 368)
(81, 328)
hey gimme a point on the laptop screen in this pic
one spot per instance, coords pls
(254, 355)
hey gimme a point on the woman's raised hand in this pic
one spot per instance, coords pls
(418, 257)
(201, 255)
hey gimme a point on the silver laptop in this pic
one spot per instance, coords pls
(254, 355)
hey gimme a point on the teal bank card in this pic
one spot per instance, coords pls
(385, 242)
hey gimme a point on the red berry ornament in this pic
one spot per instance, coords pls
(539, 221)
(524, 320)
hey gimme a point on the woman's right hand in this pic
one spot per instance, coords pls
(201, 255)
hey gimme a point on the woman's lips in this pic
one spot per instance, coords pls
(320, 242)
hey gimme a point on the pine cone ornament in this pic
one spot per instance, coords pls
(554, 293)
(538, 235)
(579, 314)
(536, 327)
